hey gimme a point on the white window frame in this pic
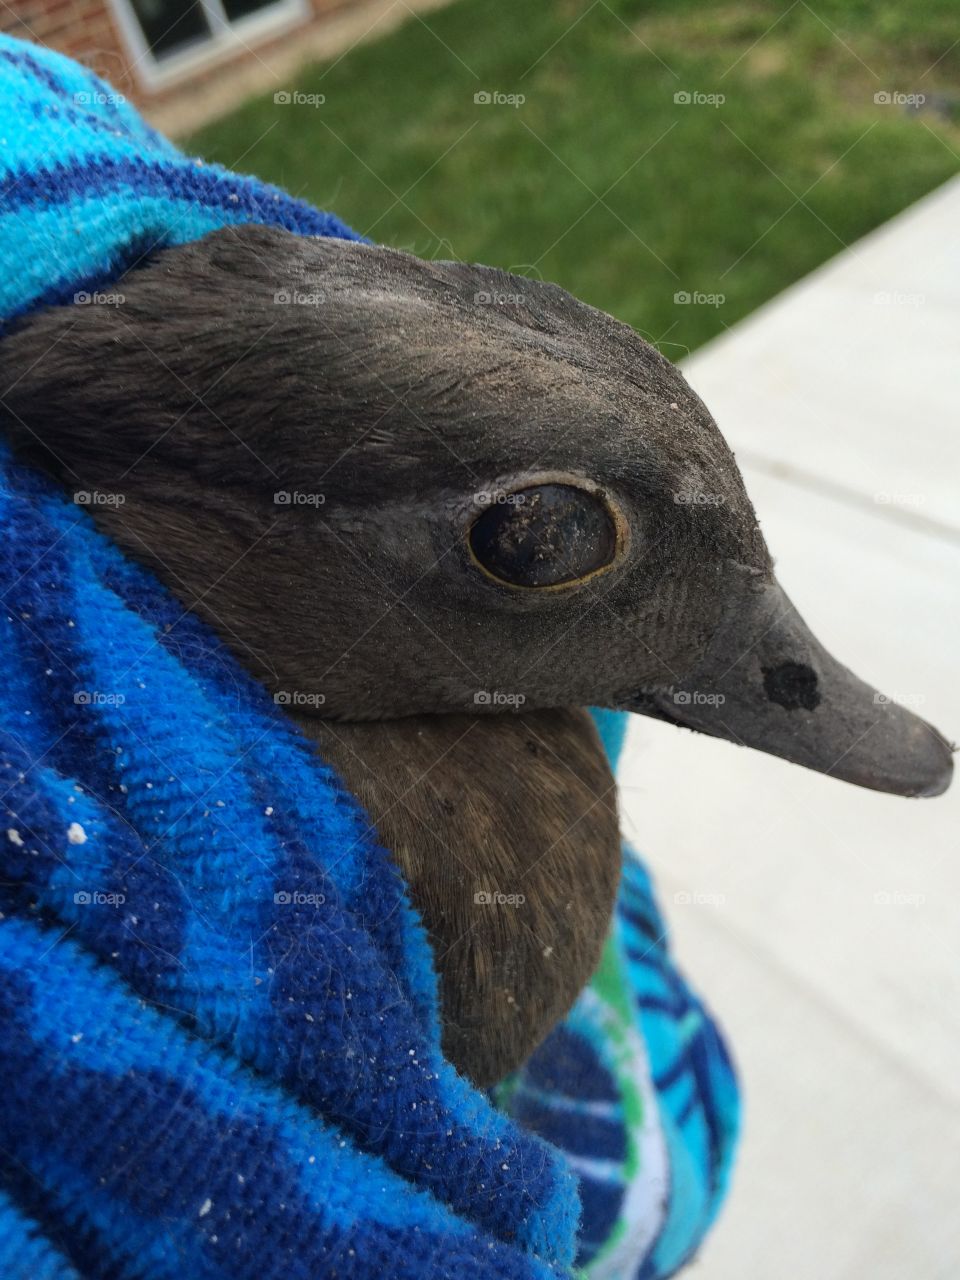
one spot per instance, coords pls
(225, 38)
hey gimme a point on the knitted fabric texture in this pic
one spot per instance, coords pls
(221, 1042)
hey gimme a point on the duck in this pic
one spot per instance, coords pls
(439, 510)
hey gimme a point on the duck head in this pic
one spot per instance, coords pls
(403, 488)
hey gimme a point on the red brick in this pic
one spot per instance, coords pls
(87, 30)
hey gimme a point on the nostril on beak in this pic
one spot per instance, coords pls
(792, 685)
(806, 707)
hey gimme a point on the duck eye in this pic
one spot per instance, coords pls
(544, 536)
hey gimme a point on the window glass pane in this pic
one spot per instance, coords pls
(170, 25)
(240, 8)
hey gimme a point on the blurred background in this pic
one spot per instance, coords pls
(766, 192)
(632, 150)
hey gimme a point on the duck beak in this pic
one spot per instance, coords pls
(767, 682)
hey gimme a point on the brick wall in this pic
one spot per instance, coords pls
(87, 30)
(84, 29)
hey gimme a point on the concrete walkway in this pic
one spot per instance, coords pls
(831, 951)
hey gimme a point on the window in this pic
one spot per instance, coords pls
(172, 36)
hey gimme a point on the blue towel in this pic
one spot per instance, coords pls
(220, 1033)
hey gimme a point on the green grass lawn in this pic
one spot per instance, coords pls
(600, 179)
